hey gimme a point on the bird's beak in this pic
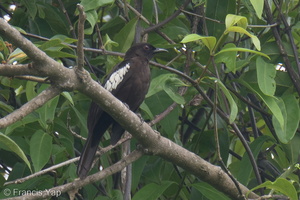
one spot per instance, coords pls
(158, 50)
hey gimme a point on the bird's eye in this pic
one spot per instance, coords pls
(146, 47)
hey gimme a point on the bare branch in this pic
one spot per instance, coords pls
(80, 52)
(162, 23)
(28, 47)
(78, 183)
(18, 70)
(30, 106)
(54, 167)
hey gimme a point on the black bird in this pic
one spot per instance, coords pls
(129, 82)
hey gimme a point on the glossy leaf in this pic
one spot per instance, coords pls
(289, 106)
(237, 49)
(258, 6)
(280, 185)
(209, 192)
(241, 30)
(91, 17)
(94, 4)
(229, 58)
(125, 37)
(47, 111)
(218, 10)
(31, 6)
(152, 191)
(40, 149)
(50, 43)
(9, 145)
(68, 97)
(269, 101)
(232, 20)
(233, 106)
(208, 41)
(169, 83)
(266, 74)
(245, 164)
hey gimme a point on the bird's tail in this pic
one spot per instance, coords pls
(91, 145)
(86, 158)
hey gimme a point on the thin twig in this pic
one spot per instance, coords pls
(68, 162)
(155, 11)
(80, 51)
(293, 75)
(78, 183)
(290, 36)
(68, 18)
(164, 22)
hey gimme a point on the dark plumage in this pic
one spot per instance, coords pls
(129, 82)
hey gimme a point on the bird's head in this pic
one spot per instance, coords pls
(143, 50)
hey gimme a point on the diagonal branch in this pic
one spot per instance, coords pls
(78, 183)
(162, 23)
(30, 106)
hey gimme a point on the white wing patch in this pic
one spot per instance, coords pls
(116, 78)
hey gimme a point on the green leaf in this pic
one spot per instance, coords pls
(6, 107)
(270, 101)
(209, 192)
(208, 41)
(9, 145)
(81, 118)
(50, 43)
(138, 168)
(241, 30)
(126, 35)
(31, 6)
(245, 164)
(218, 10)
(167, 82)
(94, 4)
(59, 54)
(47, 111)
(232, 20)
(91, 17)
(40, 149)
(258, 6)
(68, 97)
(229, 58)
(242, 50)
(30, 90)
(152, 191)
(16, 55)
(22, 123)
(281, 186)
(266, 74)
(233, 106)
(291, 113)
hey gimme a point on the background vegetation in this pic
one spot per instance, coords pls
(229, 95)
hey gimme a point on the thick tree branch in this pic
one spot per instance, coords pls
(30, 106)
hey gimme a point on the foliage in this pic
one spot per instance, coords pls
(234, 56)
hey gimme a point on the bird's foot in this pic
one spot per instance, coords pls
(127, 106)
(141, 118)
(158, 133)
